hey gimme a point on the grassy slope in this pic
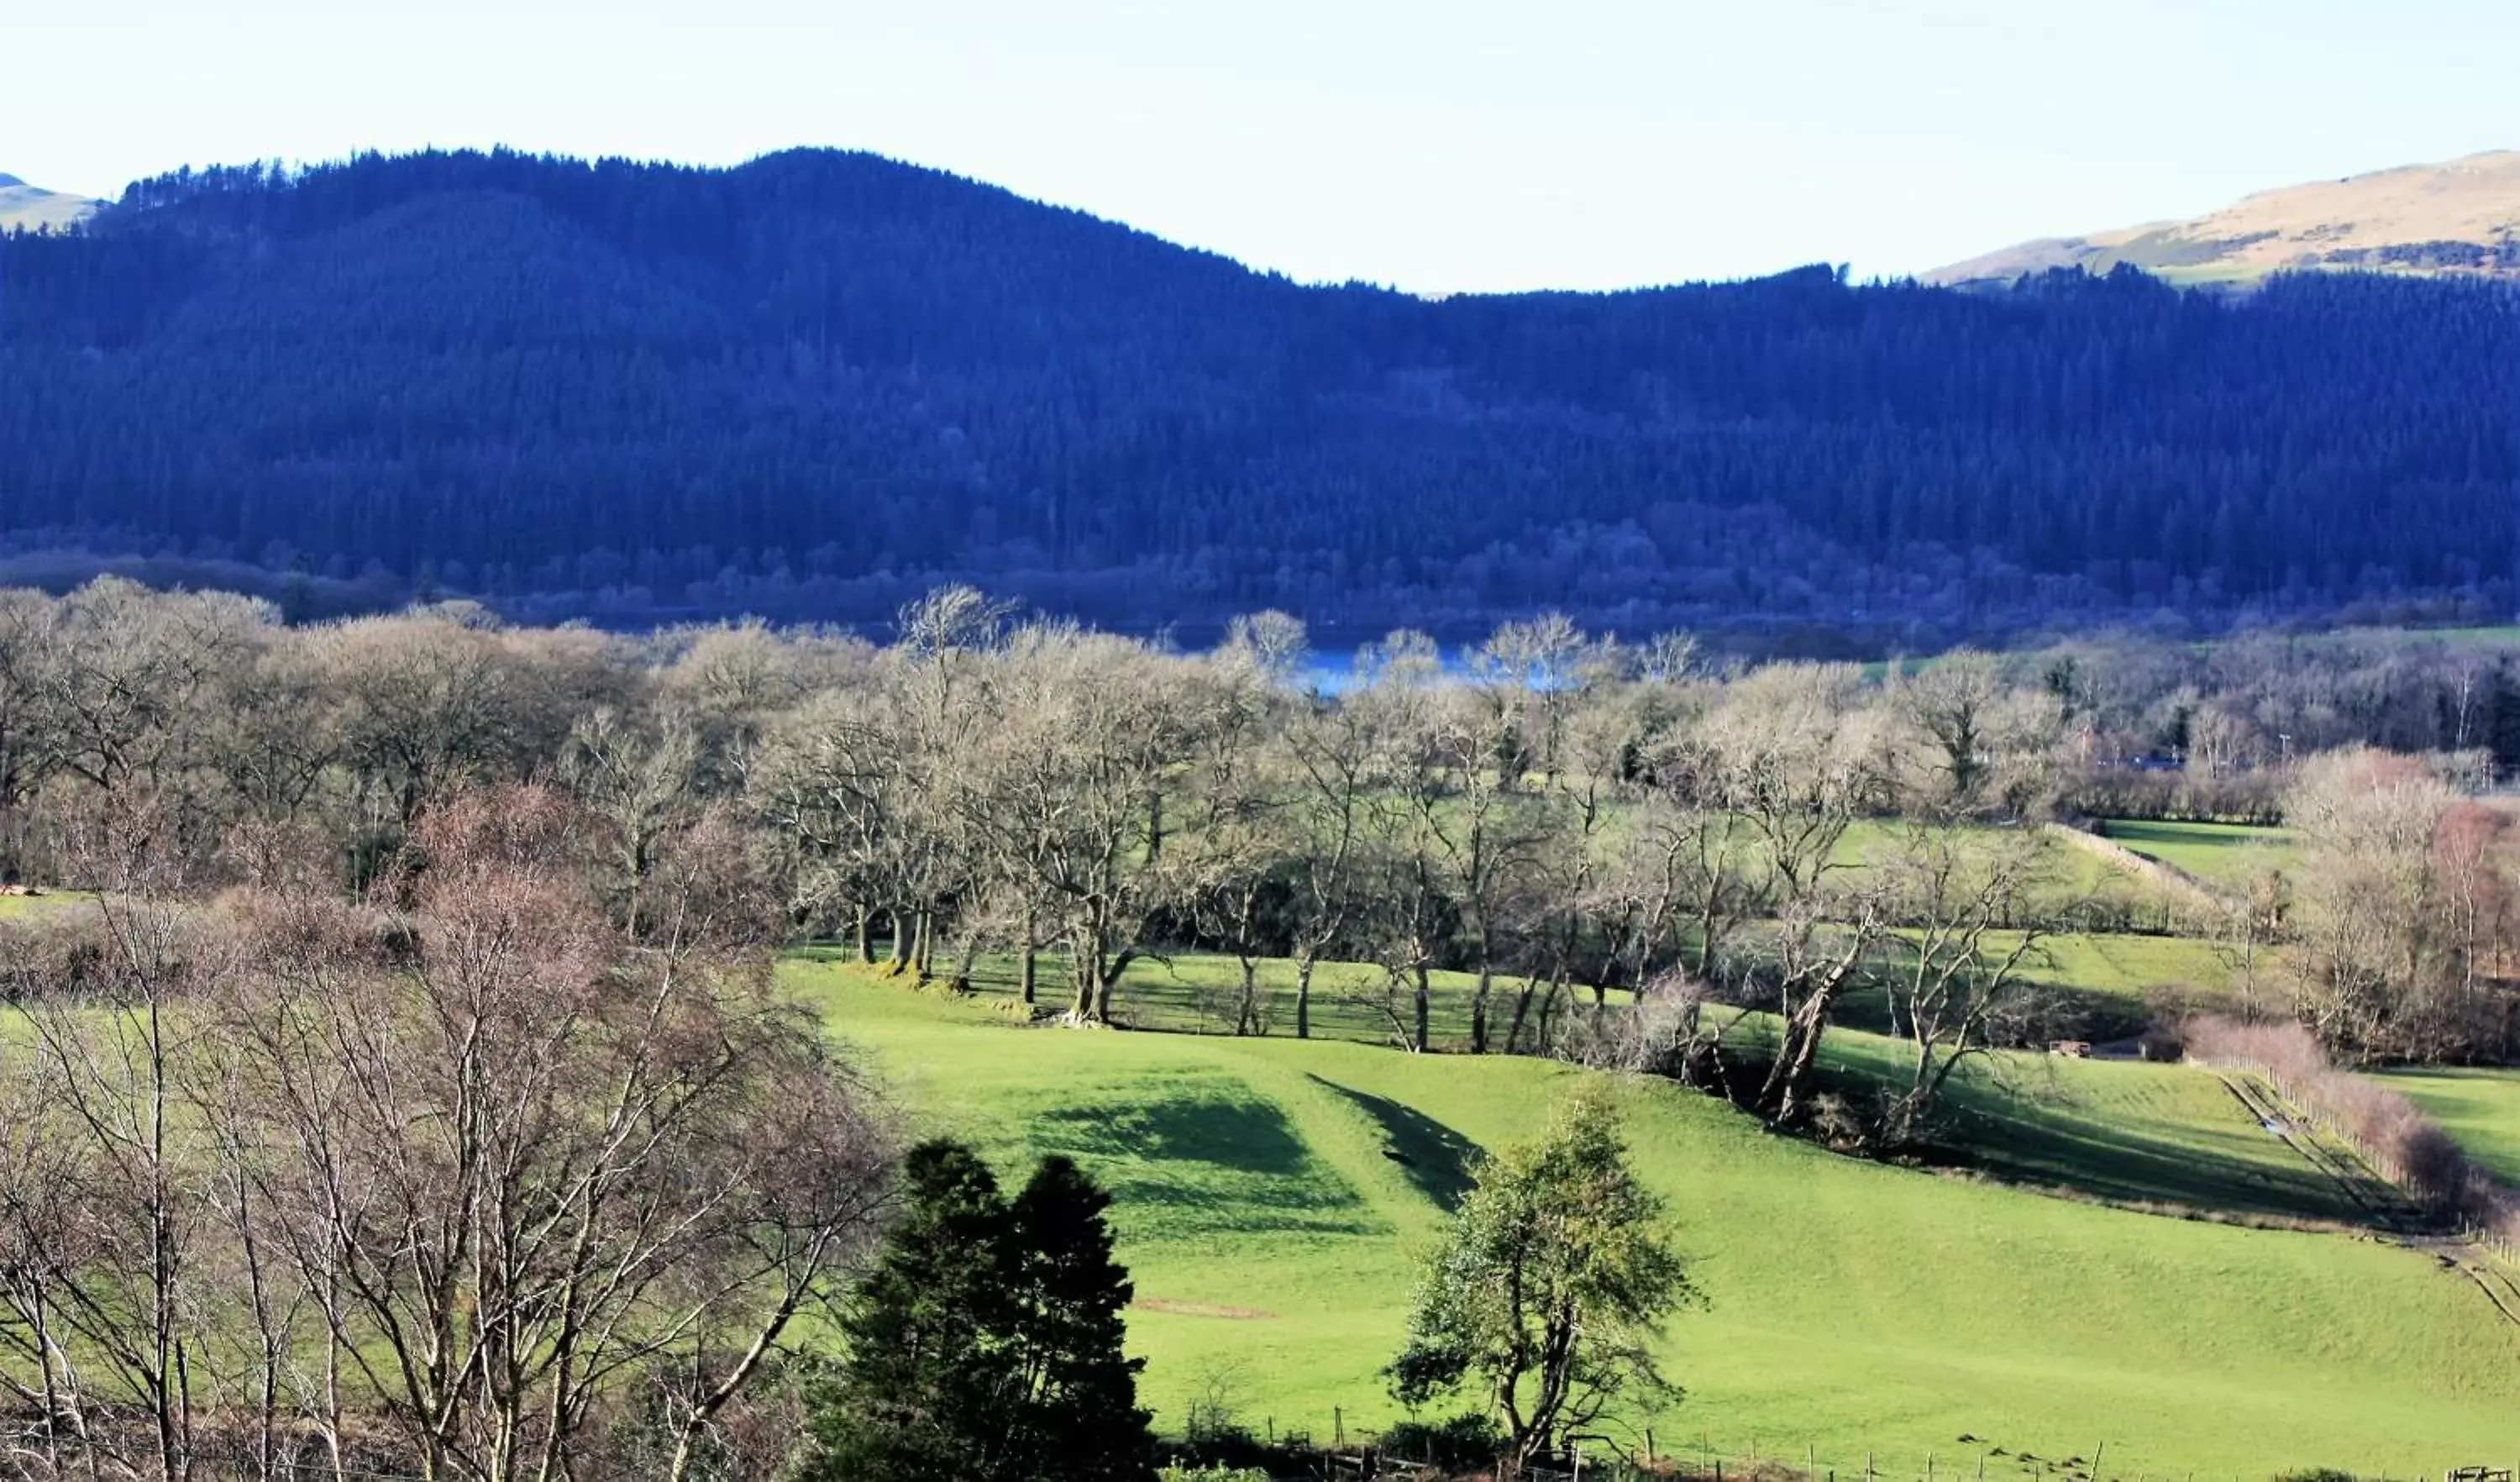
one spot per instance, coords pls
(2122, 1131)
(2127, 967)
(2227, 856)
(28, 209)
(2480, 1108)
(1853, 1307)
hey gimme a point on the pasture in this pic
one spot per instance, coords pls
(2228, 857)
(2480, 1108)
(1271, 1193)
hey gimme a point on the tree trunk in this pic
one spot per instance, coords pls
(1420, 1044)
(1521, 1014)
(1304, 997)
(1478, 1014)
(1788, 1082)
(1246, 1020)
(865, 934)
(1089, 992)
(1031, 953)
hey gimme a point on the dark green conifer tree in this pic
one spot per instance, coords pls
(988, 1346)
(1077, 1397)
(922, 1393)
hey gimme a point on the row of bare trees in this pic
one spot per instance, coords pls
(1557, 815)
(478, 1175)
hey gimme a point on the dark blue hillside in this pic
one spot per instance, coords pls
(819, 382)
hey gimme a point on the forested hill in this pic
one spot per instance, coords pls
(816, 383)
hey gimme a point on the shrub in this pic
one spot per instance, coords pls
(1459, 1442)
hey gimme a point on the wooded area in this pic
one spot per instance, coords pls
(817, 385)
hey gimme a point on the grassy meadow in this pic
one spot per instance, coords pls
(2478, 1108)
(1272, 1192)
(2229, 857)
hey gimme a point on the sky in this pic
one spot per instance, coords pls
(1439, 147)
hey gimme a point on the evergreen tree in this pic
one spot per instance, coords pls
(1078, 1390)
(987, 1344)
(921, 1395)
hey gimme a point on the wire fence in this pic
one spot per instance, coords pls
(1666, 1455)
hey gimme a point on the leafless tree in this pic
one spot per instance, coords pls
(1955, 965)
(1091, 734)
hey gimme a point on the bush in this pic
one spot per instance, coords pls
(1461, 1441)
(1180, 1474)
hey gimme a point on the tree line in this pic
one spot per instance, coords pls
(479, 374)
(1562, 818)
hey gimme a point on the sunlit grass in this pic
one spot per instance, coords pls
(1272, 1193)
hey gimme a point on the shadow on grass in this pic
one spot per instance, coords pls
(1436, 1158)
(2012, 1136)
(1239, 1134)
(1203, 1158)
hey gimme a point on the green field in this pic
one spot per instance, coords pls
(2480, 1108)
(2155, 1136)
(22, 907)
(2229, 857)
(2125, 965)
(2069, 872)
(1270, 1193)
(1197, 992)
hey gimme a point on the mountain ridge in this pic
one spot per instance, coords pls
(815, 385)
(31, 207)
(2460, 217)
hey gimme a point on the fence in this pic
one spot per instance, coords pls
(2394, 1139)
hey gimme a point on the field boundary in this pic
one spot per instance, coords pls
(2182, 886)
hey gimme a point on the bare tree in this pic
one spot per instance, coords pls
(1092, 733)
(101, 1229)
(1798, 756)
(1243, 831)
(1335, 755)
(640, 775)
(1955, 969)
(525, 1171)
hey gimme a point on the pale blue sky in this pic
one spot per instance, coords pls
(1438, 147)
